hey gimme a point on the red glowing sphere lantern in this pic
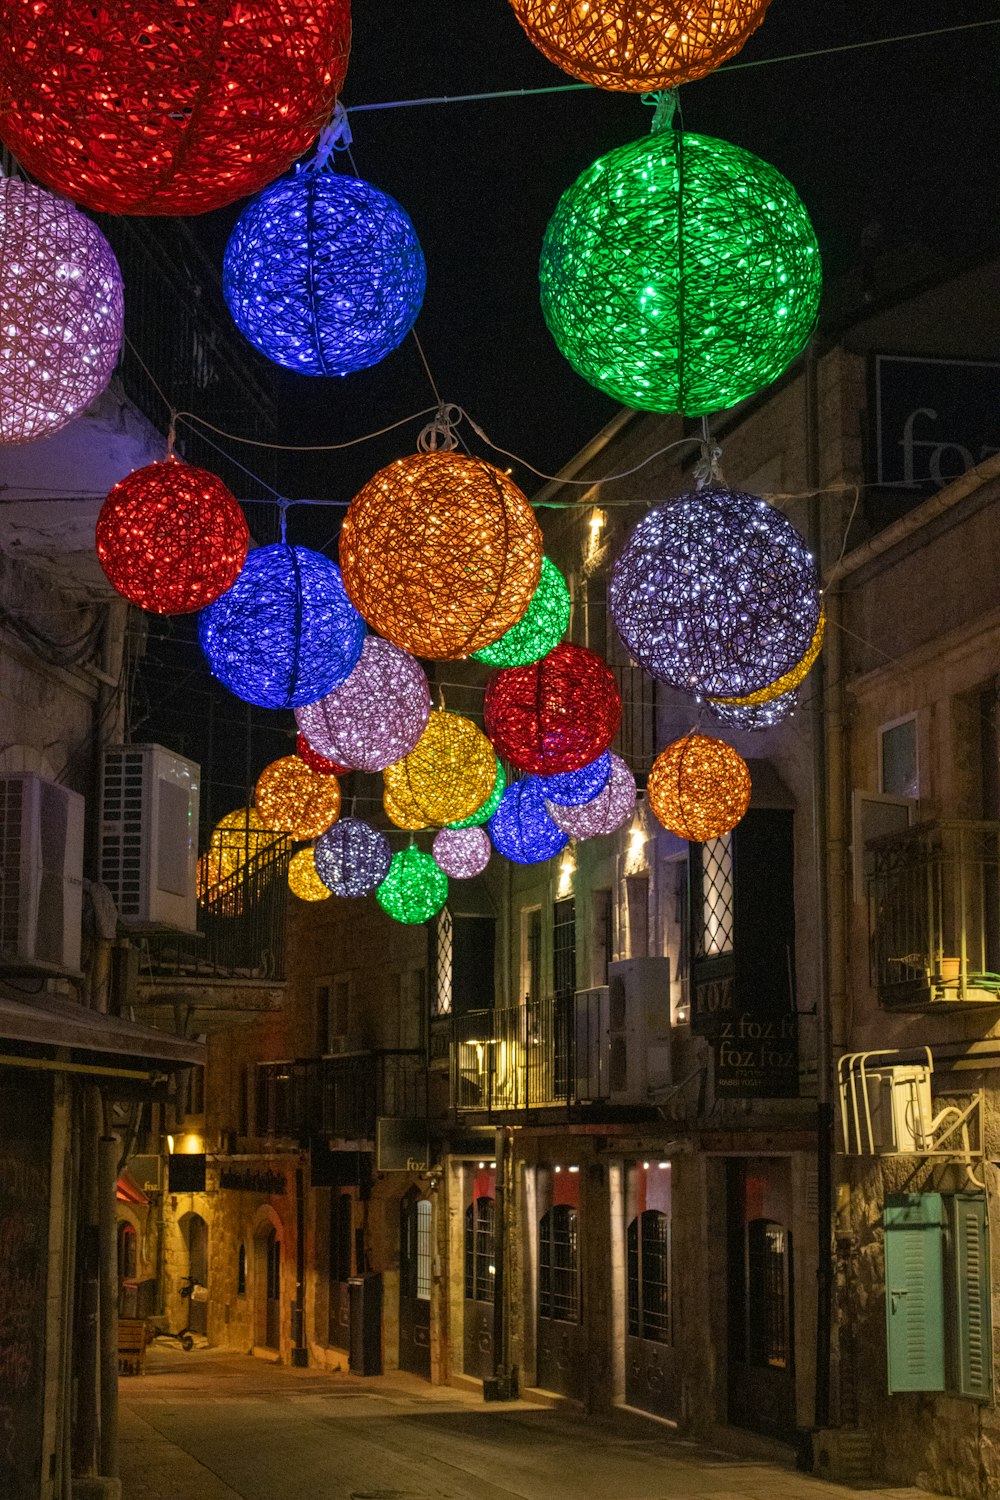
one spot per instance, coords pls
(556, 714)
(321, 764)
(171, 538)
(141, 107)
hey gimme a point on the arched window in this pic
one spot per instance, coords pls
(127, 1251)
(559, 1265)
(241, 1272)
(649, 1277)
(480, 1269)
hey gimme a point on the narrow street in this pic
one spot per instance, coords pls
(206, 1426)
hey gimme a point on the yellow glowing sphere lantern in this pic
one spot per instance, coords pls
(790, 681)
(699, 788)
(303, 880)
(403, 814)
(218, 894)
(240, 836)
(447, 775)
(293, 798)
(639, 46)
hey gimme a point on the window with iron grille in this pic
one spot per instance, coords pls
(480, 1234)
(531, 954)
(559, 1265)
(273, 1097)
(716, 935)
(602, 938)
(649, 1276)
(768, 1294)
(422, 1219)
(443, 969)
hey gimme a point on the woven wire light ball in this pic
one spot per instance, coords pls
(765, 715)
(324, 274)
(521, 827)
(134, 107)
(541, 627)
(286, 632)
(699, 788)
(638, 46)
(680, 274)
(303, 880)
(555, 715)
(292, 798)
(785, 685)
(607, 811)
(485, 812)
(316, 762)
(403, 812)
(352, 858)
(377, 715)
(462, 852)
(171, 538)
(61, 311)
(715, 593)
(573, 788)
(415, 888)
(448, 775)
(441, 553)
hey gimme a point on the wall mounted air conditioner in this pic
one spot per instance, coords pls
(638, 1029)
(149, 835)
(41, 874)
(591, 1044)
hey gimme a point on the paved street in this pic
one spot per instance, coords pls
(207, 1426)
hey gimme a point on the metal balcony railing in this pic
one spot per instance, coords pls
(514, 1057)
(934, 914)
(339, 1098)
(241, 926)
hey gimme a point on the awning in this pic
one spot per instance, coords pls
(109, 1042)
(127, 1190)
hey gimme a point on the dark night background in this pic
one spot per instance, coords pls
(893, 149)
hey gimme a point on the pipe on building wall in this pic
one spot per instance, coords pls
(107, 1174)
(87, 1291)
(300, 1352)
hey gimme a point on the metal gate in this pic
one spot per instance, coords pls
(415, 1285)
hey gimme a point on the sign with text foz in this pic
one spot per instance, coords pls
(742, 932)
(932, 420)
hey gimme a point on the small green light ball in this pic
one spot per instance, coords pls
(489, 807)
(541, 627)
(680, 274)
(415, 888)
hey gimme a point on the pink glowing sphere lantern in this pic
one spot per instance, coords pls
(462, 852)
(604, 813)
(376, 716)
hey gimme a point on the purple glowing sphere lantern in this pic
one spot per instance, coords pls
(521, 828)
(376, 716)
(607, 811)
(352, 858)
(462, 852)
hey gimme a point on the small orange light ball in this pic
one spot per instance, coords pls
(699, 788)
(639, 46)
(303, 880)
(293, 798)
(441, 554)
(447, 775)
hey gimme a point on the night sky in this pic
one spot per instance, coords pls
(896, 146)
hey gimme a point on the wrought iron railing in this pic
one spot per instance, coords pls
(515, 1057)
(241, 927)
(934, 913)
(339, 1098)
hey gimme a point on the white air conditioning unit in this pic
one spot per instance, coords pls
(638, 1029)
(591, 1050)
(902, 1112)
(149, 835)
(41, 874)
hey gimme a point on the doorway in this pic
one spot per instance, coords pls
(480, 1274)
(341, 1269)
(196, 1309)
(651, 1379)
(560, 1333)
(761, 1297)
(415, 1284)
(269, 1285)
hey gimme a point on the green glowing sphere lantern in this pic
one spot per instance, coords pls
(680, 274)
(415, 888)
(485, 812)
(542, 626)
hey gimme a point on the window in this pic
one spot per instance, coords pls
(321, 997)
(443, 929)
(769, 1322)
(603, 950)
(649, 1276)
(937, 1294)
(127, 1256)
(559, 1265)
(637, 906)
(716, 897)
(340, 1011)
(273, 1099)
(241, 1272)
(243, 1102)
(531, 954)
(480, 1271)
(898, 768)
(564, 948)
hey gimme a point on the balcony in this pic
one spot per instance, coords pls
(339, 1098)
(234, 965)
(934, 915)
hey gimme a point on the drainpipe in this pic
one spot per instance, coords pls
(300, 1352)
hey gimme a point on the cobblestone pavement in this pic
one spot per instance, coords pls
(210, 1426)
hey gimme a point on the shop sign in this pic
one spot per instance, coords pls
(248, 1180)
(934, 419)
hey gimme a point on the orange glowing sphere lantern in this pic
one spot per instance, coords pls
(639, 46)
(441, 554)
(293, 798)
(699, 788)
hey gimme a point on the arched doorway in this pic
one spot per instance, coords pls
(480, 1275)
(415, 1284)
(761, 1298)
(195, 1312)
(561, 1363)
(651, 1381)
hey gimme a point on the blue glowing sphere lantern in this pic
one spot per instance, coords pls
(324, 274)
(285, 633)
(352, 858)
(574, 788)
(521, 827)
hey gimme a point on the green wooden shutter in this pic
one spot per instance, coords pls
(973, 1325)
(914, 1291)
